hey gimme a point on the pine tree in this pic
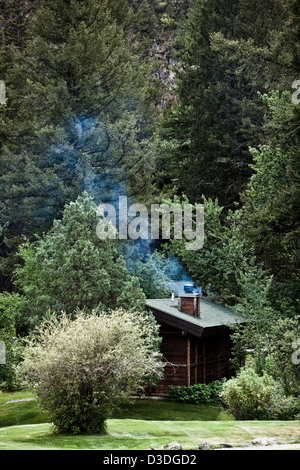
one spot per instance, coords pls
(219, 115)
(271, 200)
(14, 19)
(78, 116)
(70, 268)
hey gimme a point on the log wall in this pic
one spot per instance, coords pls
(191, 360)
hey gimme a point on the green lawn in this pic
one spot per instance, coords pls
(142, 425)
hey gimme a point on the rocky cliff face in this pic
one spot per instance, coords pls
(161, 27)
(158, 24)
(166, 66)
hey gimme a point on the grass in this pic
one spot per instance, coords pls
(130, 434)
(164, 410)
(13, 414)
(141, 425)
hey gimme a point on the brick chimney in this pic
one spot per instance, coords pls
(190, 304)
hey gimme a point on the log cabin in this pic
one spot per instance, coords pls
(196, 344)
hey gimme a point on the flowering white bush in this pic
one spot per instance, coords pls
(81, 369)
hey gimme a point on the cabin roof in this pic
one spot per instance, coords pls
(212, 316)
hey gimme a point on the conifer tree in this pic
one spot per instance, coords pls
(77, 117)
(70, 268)
(225, 62)
(271, 200)
(14, 19)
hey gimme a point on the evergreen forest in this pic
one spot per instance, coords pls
(174, 101)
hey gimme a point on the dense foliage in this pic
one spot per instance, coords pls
(70, 268)
(197, 394)
(224, 64)
(252, 396)
(78, 116)
(161, 101)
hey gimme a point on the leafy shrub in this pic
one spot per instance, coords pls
(285, 408)
(82, 369)
(251, 396)
(197, 394)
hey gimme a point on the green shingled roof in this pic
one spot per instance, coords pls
(212, 314)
